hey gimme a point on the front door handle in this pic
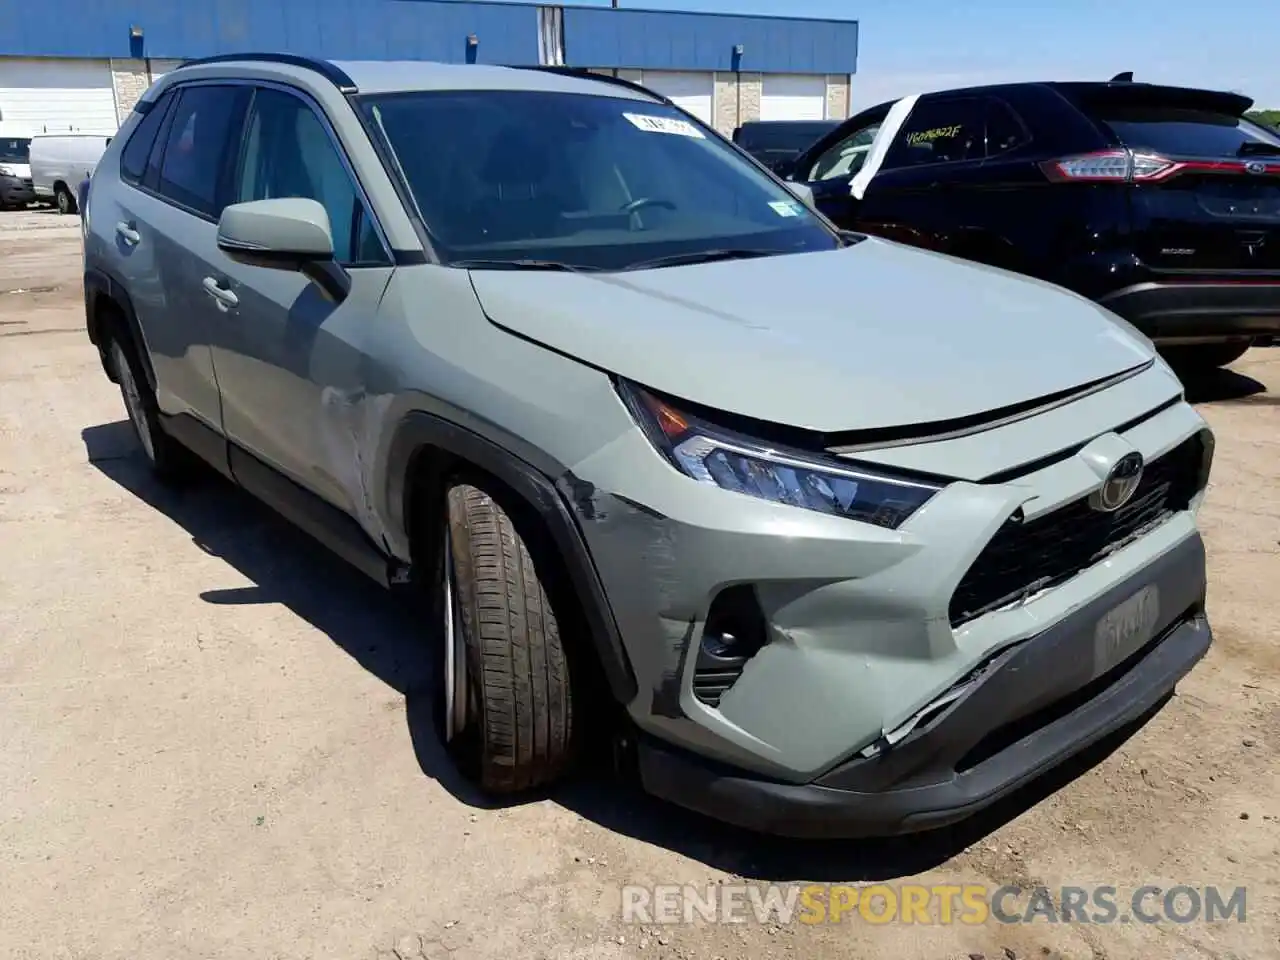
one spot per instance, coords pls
(127, 233)
(226, 298)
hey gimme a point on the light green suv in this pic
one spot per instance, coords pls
(831, 535)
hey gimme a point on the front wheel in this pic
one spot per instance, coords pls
(505, 702)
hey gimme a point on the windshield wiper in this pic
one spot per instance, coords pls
(519, 265)
(1253, 148)
(700, 256)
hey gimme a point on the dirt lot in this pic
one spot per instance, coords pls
(212, 741)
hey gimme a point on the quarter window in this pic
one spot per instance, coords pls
(289, 153)
(1005, 131)
(204, 129)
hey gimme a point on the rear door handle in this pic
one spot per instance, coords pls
(127, 233)
(226, 298)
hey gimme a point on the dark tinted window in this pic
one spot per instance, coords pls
(133, 161)
(940, 131)
(597, 182)
(289, 153)
(15, 149)
(792, 136)
(1005, 130)
(1196, 133)
(203, 132)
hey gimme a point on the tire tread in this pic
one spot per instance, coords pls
(514, 648)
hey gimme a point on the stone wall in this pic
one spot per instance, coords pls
(129, 79)
(837, 97)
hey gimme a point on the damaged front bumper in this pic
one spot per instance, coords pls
(1029, 708)
(880, 667)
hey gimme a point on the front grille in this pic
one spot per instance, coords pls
(1026, 556)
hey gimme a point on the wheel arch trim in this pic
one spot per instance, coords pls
(99, 283)
(418, 430)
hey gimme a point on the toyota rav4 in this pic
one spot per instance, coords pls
(836, 535)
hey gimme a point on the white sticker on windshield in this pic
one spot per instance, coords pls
(651, 124)
(786, 208)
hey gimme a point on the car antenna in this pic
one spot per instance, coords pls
(1126, 77)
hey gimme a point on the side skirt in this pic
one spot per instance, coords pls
(316, 517)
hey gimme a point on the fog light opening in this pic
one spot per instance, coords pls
(735, 632)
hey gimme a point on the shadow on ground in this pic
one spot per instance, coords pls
(1224, 385)
(388, 637)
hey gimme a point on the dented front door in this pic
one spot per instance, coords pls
(291, 362)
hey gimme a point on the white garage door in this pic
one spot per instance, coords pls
(785, 96)
(693, 92)
(160, 67)
(57, 96)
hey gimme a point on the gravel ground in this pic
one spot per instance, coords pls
(213, 741)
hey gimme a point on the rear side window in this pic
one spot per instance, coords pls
(133, 161)
(953, 131)
(940, 131)
(203, 133)
(1194, 133)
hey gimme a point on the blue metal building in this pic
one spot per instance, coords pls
(81, 64)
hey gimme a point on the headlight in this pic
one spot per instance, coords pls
(7, 171)
(733, 461)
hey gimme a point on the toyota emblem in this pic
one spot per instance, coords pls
(1122, 480)
(1255, 166)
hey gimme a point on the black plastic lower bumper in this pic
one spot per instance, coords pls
(1170, 311)
(14, 191)
(1037, 704)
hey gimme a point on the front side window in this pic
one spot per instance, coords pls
(288, 153)
(589, 181)
(15, 149)
(844, 159)
(204, 131)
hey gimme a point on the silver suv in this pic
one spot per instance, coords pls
(833, 535)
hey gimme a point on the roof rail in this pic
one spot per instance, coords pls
(323, 67)
(586, 74)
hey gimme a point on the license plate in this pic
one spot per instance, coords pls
(1126, 629)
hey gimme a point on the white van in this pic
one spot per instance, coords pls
(15, 173)
(59, 162)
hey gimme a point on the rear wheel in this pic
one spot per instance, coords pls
(169, 460)
(505, 705)
(1195, 358)
(63, 199)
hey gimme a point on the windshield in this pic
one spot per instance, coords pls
(15, 149)
(1196, 133)
(591, 182)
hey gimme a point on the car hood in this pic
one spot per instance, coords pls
(872, 336)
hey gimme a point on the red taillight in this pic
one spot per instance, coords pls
(1128, 166)
(1110, 166)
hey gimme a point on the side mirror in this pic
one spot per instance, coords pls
(290, 233)
(801, 190)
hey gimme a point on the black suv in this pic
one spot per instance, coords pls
(777, 142)
(1160, 203)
